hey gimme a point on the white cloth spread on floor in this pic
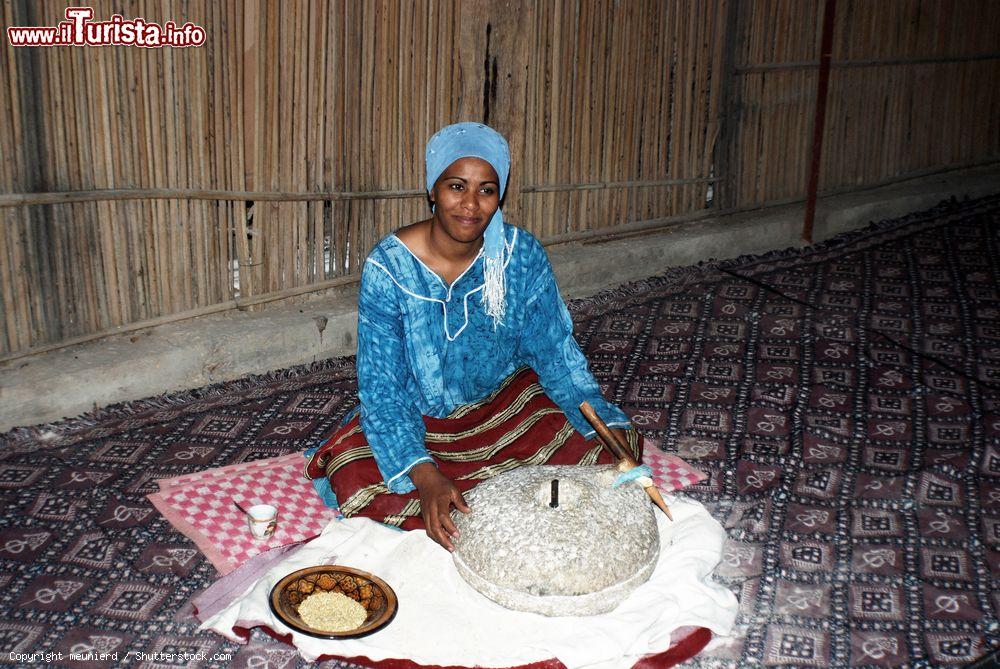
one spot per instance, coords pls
(442, 620)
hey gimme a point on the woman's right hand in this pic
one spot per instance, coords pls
(437, 495)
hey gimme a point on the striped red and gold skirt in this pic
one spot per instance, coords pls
(516, 425)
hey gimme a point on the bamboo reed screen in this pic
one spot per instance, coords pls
(912, 90)
(141, 186)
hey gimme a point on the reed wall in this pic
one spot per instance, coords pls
(141, 186)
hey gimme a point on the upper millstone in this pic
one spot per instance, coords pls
(579, 551)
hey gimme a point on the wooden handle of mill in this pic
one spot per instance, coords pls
(607, 436)
(620, 451)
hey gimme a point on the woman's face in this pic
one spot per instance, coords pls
(466, 194)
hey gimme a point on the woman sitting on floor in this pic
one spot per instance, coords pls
(467, 366)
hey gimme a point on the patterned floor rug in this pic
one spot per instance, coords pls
(845, 400)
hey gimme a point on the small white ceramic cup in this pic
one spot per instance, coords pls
(262, 518)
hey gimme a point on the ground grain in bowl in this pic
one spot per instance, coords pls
(332, 612)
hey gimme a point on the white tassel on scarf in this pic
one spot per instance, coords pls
(495, 290)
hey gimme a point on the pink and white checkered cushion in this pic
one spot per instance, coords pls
(201, 506)
(669, 471)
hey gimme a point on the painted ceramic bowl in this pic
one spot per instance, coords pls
(368, 590)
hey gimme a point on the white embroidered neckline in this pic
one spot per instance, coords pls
(444, 303)
(432, 272)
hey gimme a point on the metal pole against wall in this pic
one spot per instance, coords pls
(822, 86)
(729, 111)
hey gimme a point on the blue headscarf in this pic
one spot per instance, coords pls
(475, 140)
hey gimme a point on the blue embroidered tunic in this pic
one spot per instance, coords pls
(426, 348)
